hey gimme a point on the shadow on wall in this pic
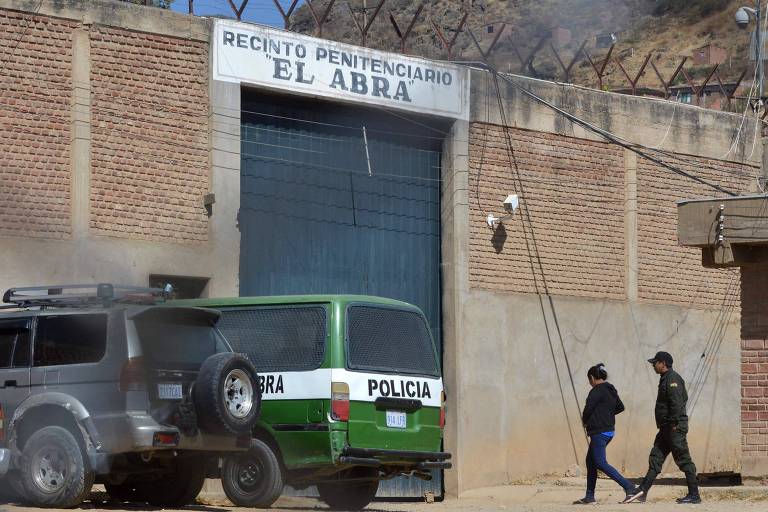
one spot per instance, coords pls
(499, 238)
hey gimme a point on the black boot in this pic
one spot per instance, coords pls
(692, 497)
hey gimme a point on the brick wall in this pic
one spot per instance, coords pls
(754, 361)
(35, 95)
(669, 273)
(150, 136)
(574, 190)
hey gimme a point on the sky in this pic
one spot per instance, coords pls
(259, 11)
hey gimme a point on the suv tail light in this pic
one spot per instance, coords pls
(133, 375)
(340, 401)
(166, 439)
(442, 409)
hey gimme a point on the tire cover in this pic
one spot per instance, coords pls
(213, 414)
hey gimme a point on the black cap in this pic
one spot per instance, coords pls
(664, 357)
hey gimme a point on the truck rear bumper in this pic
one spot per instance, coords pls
(373, 457)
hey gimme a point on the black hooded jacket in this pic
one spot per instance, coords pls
(603, 404)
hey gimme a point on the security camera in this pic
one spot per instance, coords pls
(511, 203)
(742, 17)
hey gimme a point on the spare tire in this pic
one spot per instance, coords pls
(226, 394)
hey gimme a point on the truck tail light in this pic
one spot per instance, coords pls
(340, 401)
(442, 409)
(133, 375)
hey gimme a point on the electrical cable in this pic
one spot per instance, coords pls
(612, 138)
(752, 89)
(534, 255)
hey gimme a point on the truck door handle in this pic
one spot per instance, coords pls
(10, 384)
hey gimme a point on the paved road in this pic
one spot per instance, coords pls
(296, 505)
(551, 496)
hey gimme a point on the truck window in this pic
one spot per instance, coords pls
(389, 340)
(284, 338)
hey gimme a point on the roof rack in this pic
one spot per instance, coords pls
(80, 295)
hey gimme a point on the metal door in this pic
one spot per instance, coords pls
(341, 199)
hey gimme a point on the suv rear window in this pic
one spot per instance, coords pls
(389, 340)
(71, 339)
(277, 338)
(179, 337)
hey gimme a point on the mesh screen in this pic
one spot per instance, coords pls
(389, 340)
(277, 338)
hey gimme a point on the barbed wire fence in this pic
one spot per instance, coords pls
(457, 41)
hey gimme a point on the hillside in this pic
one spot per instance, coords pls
(670, 29)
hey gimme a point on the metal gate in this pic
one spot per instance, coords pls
(341, 199)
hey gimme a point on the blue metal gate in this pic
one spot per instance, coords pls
(320, 214)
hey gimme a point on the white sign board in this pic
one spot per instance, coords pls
(286, 61)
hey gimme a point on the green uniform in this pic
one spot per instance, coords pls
(672, 422)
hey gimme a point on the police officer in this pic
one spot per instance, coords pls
(672, 422)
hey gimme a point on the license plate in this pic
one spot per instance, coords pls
(396, 419)
(169, 391)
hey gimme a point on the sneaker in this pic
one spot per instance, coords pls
(585, 501)
(692, 499)
(636, 496)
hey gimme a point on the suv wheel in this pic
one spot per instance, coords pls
(54, 471)
(254, 478)
(348, 495)
(177, 489)
(226, 394)
(10, 487)
(126, 491)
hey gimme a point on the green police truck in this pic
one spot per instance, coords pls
(351, 394)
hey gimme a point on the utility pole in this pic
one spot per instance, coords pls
(742, 20)
(759, 48)
(761, 184)
(365, 12)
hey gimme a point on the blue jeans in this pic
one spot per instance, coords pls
(596, 459)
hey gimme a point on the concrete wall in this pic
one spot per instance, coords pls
(112, 148)
(654, 122)
(516, 360)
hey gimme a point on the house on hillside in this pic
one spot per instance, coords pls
(561, 36)
(606, 40)
(709, 54)
(711, 97)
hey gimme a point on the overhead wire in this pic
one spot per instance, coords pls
(534, 258)
(752, 89)
(712, 346)
(715, 338)
(612, 138)
(238, 119)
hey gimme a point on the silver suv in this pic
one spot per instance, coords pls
(102, 384)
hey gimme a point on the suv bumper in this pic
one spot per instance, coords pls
(373, 457)
(138, 432)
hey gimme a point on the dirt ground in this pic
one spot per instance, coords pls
(545, 496)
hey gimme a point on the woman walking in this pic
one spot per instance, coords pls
(599, 418)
